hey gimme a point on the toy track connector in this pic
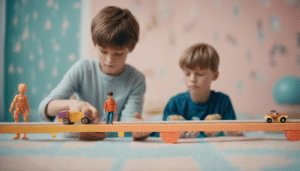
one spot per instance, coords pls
(292, 135)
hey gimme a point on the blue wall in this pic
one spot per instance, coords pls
(2, 34)
(42, 43)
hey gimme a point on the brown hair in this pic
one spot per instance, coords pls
(202, 55)
(115, 28)
(110, 93)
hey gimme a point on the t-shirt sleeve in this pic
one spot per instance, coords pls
(135, 100)
(229, 113)
(68, 85)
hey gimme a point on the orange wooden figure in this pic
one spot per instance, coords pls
(21, 103)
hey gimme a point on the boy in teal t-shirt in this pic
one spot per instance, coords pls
(200, 67)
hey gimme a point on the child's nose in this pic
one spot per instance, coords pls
(108, 58)
(193, 77)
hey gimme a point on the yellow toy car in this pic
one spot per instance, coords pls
(276, 117)
(70, 117)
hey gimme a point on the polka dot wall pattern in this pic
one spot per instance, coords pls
(41, 44)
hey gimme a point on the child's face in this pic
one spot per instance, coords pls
(112, 62)
(198, 80)
(109, 97)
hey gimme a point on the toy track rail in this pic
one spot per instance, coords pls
(155, 126)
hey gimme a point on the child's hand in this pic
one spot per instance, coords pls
(138, 136)
(234, 133)
(92, 136)
(189, 134)
(81, 106)
(183, 134)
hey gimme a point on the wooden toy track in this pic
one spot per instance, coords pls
(170, 130)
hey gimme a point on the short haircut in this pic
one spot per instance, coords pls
(110, 93)
(202, 55)
(115, 28)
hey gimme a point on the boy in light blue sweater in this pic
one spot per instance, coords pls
(115, 33)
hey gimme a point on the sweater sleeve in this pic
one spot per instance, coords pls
(135, 99)
(68, 85)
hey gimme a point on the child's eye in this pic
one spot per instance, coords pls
(103, 52)
(186, 73)
(119, 54)
(200, 75)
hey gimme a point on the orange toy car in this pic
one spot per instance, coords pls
(276, 117)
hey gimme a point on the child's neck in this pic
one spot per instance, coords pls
(200, 98)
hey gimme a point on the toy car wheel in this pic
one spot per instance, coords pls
(269, 120)
(283, 119)
(66, 121)
(85, 120)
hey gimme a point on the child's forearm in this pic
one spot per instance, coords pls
(55, 106)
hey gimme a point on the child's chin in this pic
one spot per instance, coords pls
(194, 90)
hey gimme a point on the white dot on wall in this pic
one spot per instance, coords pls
(26, 18)
(25, 33)
(49, 86)
(54, 72)
(33, 90)
(20, 70)
(17, 47)
(17, 6)
(56, 46)
(56, 6)
(33, 75)
(39, 47)
(15, 21)
(42, 65)
(11, 69)
(64, 26)
(45, 95)
(72, 57)
(33, 36)
(48, 24)
(35, 15)
(76, 5)
(57, 59)
(49, 3)
(31, 56)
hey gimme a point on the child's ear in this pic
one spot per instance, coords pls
(216, 75)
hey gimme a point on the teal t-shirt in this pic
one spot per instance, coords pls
(90, 84)
(182, 104)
